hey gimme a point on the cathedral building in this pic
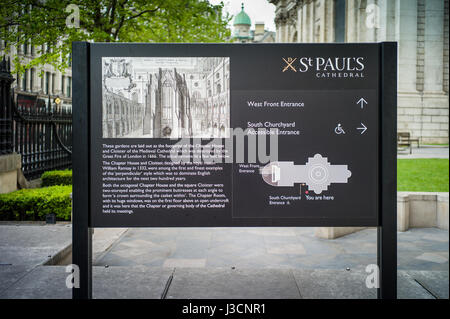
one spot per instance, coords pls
(419, 27)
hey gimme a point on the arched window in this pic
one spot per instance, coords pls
(219, 88)
(167, 100)
(116, 107)
(109, 107)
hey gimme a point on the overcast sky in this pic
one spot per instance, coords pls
(257, 10)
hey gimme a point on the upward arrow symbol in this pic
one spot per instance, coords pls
(361, 102)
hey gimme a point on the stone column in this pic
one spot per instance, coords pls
(277, 33)
(50, 83)
(361, 31)
(373, 18)
(56, 85)
(329, 21)
(445, 70)
(386, 32)
(311, 21)
(299, 23)
(322, 22)
(281, 22)
(435, 100)
(351, 21)
(284, 32)
(305, 23)
(406, 35)
(434, 45)
(29, 88)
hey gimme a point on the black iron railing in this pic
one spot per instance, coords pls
(43, 136)
(40, 132)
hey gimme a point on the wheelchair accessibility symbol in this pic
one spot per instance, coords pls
(339, 130)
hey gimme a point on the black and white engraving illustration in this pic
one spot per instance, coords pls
(166, 97)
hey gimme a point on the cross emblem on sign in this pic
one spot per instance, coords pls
(289, 62)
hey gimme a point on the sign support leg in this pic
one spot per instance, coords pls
(81, 233)
(387, 232)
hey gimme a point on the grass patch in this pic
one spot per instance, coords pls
(422, 175)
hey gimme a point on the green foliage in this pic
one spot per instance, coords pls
(52, 178)
(44, 23)
(35, 203)
(423, 175)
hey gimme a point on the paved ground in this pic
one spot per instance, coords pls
(221, 263)
(47, 282)
(281, 248)
(425, 152)
(31, 244)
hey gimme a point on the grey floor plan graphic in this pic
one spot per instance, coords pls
(317, 173)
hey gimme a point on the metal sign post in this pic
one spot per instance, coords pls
(81, 231)
(331, 106)
(387, 231)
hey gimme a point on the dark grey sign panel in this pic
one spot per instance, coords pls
(323, 100)
(333, 105)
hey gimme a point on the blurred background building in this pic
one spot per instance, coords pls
(242, 32)
(39, 84)
(421, 29)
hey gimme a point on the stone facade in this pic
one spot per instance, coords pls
(41, 82)
(421, 29)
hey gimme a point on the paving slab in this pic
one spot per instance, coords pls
(212, 283)
(9, 274)
(31, 244)
(104, 238)
(333, 284)
(49, 282)
(129, 282)
(43, 282)
(436, 282)
(408, 288)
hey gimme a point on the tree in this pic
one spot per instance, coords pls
(51, 25)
